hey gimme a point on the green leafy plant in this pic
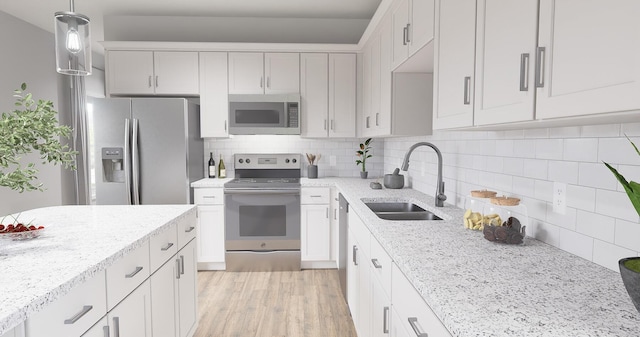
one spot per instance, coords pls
(632, 188)
(363, 154)
(31, 127)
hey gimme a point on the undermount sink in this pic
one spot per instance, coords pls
(400, 211)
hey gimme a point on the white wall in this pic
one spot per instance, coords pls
(28, 56)
(343, 149)
(600, 223)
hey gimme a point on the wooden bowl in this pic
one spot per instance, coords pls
(483, 194)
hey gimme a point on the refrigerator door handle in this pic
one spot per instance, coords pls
(127, 159)
(135, 155)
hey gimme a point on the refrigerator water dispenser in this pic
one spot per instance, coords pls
(112, 165)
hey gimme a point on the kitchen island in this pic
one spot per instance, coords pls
(78, 243)
(481, 288)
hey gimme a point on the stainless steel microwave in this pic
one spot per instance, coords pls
(264, 114)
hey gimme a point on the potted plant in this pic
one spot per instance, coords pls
(363, 154)
(630, 267)
(31, 127)
(312, 169)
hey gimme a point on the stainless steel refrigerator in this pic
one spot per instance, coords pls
(144, 150)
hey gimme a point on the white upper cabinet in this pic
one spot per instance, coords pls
(214, 98)
(246, 73)
(454, 63)
(282, 73)
(505, 53)
(342, 95)
(412, 28)
(589, 55)
(152, 73)
(264, 73)
(314, 94)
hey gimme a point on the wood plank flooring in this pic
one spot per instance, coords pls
(268, 304)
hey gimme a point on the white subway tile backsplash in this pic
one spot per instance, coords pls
(631, 129)
(627, 234)
(582, 149)
(549, 149)
(504, 148)
(563, 171)
(535, 168)
(576, 243)
(596, 175)
(513, 166)
(596, 226)
(543, 190)
(607, 254)
(618, 151)
(615, 204)
(565, 132)
(605, 130)
(537, 208)
(545, 232)
(524, 187)
(536, 133)
(567, 220)
(524, 148)
(581, 197)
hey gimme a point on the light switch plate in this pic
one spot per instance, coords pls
(559, 198)
(332, 160)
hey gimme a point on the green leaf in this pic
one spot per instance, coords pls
(23, 86)
(634, 145)
(632, 189)
(366, 142)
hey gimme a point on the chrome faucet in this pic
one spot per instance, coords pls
(440, 197)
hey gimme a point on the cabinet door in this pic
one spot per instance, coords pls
(375, 83)
(367, 123)
(505, 53)
(314, 94)
(130, 72)
(214, 95)
(380, 310)
(383, 120)
(454, 63)
(176, 73)
(352, 274)
(397, 326)
(246, 73)
(422, 24)
(132, 317)
(188, 289)
(342, 95)
(100, 329)
(164, 291)
(590, 57)
(315, 233)
(210, 234)
(363, 319)
(400, 28)
(282, 73)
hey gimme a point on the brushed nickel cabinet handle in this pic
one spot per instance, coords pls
(178, 269)
(377, 119)
(133, 273)
(333, 126)
(524, 72)
(327, 213)
(404, 36)
(376, 263)
(150, 81)
(413, 321)
(181, 264)
(408, 33)
(467, 90)
(84, 311)
(325, 124)
(156, 81)
(116, 327)
(105, 329)
(355, 252)
(540, 64)
(189, 230)
(165, 248)
(385, 320)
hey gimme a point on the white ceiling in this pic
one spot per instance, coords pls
(350, 12)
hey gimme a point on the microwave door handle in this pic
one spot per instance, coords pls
(286, 114)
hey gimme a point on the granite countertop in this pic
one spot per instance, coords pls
(78, 242)
(482, 288)
(210, 182)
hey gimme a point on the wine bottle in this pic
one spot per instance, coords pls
(212, 166)
(222, 171)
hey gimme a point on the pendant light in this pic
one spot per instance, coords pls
(73, 43)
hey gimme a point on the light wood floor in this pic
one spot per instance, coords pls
(305, 303)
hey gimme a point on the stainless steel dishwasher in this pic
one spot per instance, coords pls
(343, 230)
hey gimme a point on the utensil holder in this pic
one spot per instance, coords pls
(312, 171)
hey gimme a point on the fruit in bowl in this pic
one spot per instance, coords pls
(18, 232)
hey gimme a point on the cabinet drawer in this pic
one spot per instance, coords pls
(186, 230)
(314, 195)
(381, 265)
(126, 274)
(72, 314)
(162, 247)
(208, 196)
(413, 311)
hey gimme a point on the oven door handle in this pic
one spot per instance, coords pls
(253, 191)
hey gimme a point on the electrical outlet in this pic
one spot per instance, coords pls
(332, 160)
(559, 198)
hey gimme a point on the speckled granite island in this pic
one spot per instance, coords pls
(481, 288)
(79, 242)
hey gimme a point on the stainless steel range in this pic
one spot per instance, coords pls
(262, 213)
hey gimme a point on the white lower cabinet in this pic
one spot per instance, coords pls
(188, 290)
(211, 250)
(164, 292)
(315, 231)
(380, 310)
(413, 313)
(132, 316)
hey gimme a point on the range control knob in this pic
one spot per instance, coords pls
(293, 160)
(240, 160)
(286, 160)
(248, 160)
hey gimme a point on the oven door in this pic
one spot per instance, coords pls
(262, 220)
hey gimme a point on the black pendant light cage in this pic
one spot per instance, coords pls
(73, 43)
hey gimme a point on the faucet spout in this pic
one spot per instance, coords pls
(439, 196)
